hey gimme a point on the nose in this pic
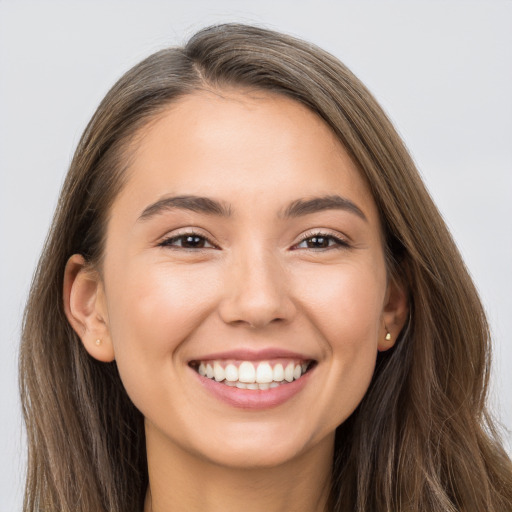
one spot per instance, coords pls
(256, 292)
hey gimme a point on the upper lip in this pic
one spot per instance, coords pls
(253, 355)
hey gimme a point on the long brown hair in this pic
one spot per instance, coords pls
(421, 439)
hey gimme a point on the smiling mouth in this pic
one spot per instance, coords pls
(253, 375)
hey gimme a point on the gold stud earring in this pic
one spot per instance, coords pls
(98, 342)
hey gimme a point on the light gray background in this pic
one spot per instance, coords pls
(441, 69)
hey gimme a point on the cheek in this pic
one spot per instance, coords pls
(156, 301)
(345, 306)
(153, 308)
(346, 303)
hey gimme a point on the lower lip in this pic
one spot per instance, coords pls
(254, 398)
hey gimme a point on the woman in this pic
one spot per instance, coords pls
(248, 299)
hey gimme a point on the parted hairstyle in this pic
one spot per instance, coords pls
(420, 440)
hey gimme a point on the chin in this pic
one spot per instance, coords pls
(246, 446)
(253, 456)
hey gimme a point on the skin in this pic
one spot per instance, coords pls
(261, 282)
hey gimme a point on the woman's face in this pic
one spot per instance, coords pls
(246, 245)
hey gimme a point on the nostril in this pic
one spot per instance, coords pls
(254, 325)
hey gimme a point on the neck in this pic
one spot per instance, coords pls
(180, 481)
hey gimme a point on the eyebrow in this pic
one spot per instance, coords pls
(302, 207)
(197, 204)
(208, 206)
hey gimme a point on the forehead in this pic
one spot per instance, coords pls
(247, 147)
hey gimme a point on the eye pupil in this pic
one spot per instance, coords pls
(316, 242)
(193, 241)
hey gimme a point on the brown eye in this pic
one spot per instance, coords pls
(318, 242)
(187, 241)
(321, 241)
(193, 242)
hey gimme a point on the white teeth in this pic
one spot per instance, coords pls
(264, 374)
(278, 373)
(288, 372)
(249, 375)
(246, 372)
(218, 372)
(231, 372)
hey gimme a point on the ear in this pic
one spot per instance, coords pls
(394, 314)
(85, 308)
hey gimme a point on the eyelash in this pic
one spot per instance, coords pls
(168, 242)
(339, 243)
